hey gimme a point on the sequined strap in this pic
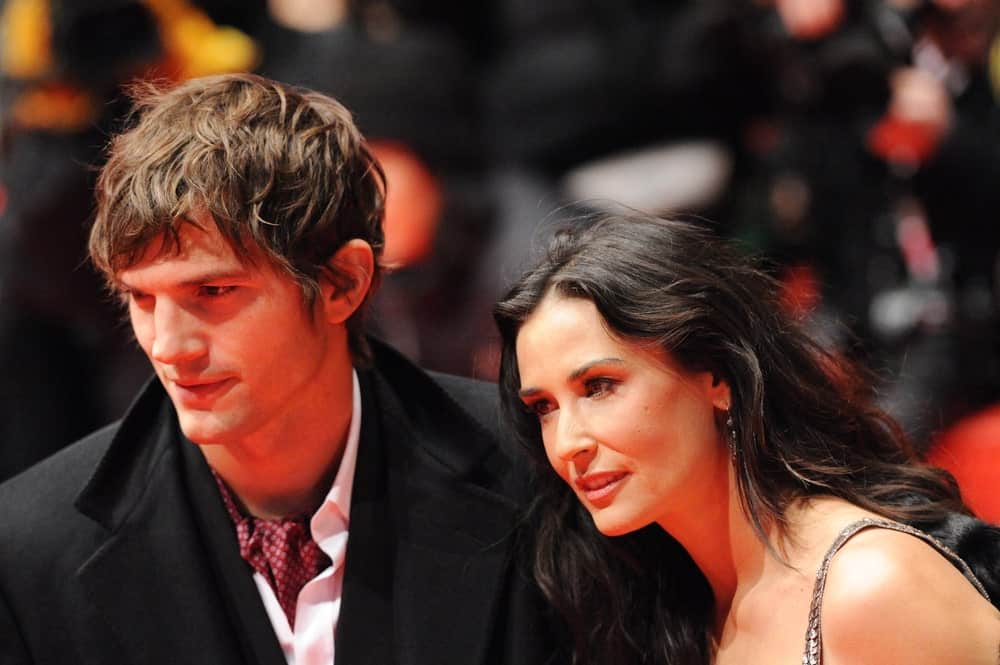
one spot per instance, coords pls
(813, 654)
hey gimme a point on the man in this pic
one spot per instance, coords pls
(287, 490)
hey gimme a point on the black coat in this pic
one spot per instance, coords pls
(118, 549)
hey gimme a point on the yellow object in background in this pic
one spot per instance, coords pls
(994, 68)
(196, 46)
(192, 45)
(26, 55)
(54, 107)
(26, 39)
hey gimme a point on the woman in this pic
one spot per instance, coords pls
(705, 461)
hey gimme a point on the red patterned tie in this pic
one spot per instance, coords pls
(282, 551)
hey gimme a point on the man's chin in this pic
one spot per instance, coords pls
(204, 431)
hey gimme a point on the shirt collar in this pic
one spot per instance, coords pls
(333, 515)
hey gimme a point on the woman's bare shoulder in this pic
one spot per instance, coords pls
(892, 597)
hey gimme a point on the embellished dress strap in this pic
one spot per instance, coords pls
(813, 654)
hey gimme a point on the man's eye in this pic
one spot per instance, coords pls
(212, 291)
(138, 297)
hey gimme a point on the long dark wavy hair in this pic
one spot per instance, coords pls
(806, 425)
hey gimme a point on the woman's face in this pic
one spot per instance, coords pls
(632, 432)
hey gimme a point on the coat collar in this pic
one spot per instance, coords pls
(431, 526)
(140, 442)
(150, 581)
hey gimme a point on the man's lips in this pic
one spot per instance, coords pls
(199, 390)
(600, 485)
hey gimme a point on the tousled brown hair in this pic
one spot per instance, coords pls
(280, 169)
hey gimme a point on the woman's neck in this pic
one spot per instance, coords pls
(726, 548)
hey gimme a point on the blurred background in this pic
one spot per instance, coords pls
(853, 142)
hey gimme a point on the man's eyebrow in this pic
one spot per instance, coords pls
(237, 274)
(218, 276)
(577, 373)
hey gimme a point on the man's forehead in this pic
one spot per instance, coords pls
(193, 254)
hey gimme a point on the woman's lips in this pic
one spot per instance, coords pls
(599, 487)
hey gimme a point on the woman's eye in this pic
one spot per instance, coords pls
(598, 387)
(539, 407)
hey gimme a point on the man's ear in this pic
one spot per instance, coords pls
(353, 266)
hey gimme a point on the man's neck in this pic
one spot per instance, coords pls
(278, 490)
(288, 475)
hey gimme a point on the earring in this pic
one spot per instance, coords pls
(731, 434)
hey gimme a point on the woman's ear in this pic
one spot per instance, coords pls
(352, 267)
(719, 393)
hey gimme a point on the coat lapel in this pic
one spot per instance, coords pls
(365, 628)
(152, 582)
(240, 594)
(428, 546)
(449, 576)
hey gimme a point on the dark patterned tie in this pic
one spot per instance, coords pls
(281, 550)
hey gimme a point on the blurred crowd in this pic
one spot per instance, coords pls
(852, 142)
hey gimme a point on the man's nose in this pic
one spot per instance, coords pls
(177, 334)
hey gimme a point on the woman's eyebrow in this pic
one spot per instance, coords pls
(580, 371)
(577, 373)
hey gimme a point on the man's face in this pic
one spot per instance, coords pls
(235, 347)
